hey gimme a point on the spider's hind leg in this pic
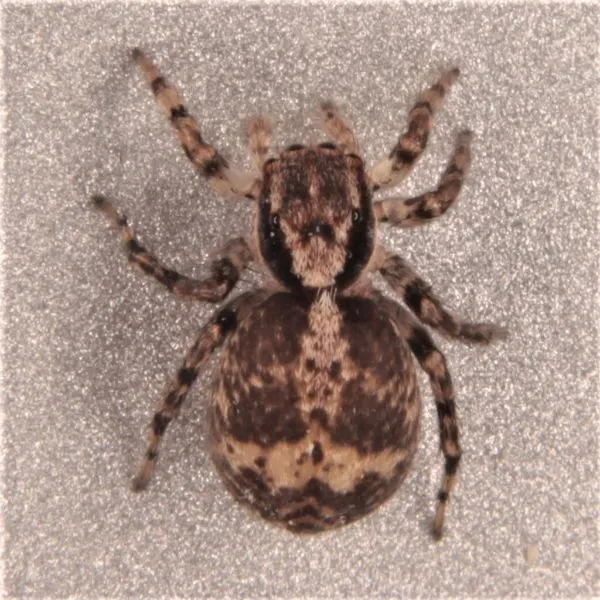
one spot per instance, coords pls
(211, 337)
(204, 157)
(432, 361)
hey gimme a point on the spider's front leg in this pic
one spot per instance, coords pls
(225, 271)
(412, 143)
(417, 295)
(211, 337)
(409, 212)
(224, 179)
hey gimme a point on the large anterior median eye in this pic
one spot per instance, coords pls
(274, 220)
(355, 216)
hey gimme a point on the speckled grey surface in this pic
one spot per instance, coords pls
(89, 343)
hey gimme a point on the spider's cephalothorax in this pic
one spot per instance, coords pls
(315, 217)
(316, 408)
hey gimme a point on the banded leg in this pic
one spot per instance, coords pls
(225, 271)
(259, 130)
(204, 157)
(417, 295)
(432, 361)
(210, 338)
(412, 143)
(337, 128)
(421, 209)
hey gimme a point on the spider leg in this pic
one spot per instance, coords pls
(211, 337)
(225, 271)
(259, 130)
(337, 128)
(422, 209)
(432, 361)
(204, 157)
(419, 298)
(392, 170)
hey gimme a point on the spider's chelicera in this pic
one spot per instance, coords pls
(316, 406)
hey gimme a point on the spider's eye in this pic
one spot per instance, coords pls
(274, 220)
(355, 216)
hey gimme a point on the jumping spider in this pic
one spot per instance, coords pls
(316, 411)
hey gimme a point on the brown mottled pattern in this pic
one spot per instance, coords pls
(314, 506)
(374, 404)
(316, 412)
(315, 462)
(258, 405)
(315, 209)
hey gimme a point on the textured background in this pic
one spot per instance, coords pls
(89, 343)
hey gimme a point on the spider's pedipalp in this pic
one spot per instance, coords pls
(417, 295)
(224, 179)
(410, 212)
(392, 170)
(259, 130)
(225, 271)
(337, 128)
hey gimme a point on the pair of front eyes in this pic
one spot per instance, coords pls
(275, 220)
(278, 254)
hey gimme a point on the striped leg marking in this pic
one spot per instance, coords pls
(225, 271)
(432, 361)
(211, 337)
(204, 157)
(337, 128)
(417, 295)
(422, 209)
(412, 143)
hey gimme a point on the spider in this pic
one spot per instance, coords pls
(316, 407)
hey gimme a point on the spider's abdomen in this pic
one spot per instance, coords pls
(316, 412)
